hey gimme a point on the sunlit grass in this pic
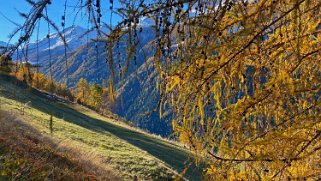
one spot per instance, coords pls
(112, 140)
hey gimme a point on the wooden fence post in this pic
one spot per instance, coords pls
(51, 124)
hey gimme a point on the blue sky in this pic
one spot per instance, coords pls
(9, 9)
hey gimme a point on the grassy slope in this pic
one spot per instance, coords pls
(26, 154)
(131, 152)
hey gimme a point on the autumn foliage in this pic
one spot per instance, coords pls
(241, 76)
(246, 89)
(41, 82)
(93, 96)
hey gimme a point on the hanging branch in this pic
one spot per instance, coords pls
(63, 24)
(30, 22)
(243, 80)
(49, 53)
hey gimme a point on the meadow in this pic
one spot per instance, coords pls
(129, 152)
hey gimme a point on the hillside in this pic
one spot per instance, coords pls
(129, 151)
(84, 63)
(26, 154)
(86, 59)
(138, 101)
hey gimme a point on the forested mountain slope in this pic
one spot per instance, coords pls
(137, 99)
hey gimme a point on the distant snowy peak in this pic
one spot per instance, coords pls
(75, 36)
(73, 30)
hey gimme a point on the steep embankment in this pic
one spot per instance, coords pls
(130, 151)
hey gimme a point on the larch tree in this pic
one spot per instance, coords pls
(24, 73)
(83, 91)
(50, 86)
(95, 98)
(5, 62)
(39, 80)
(242, 77)
(246, 89)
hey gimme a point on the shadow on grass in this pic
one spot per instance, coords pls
(165, 151)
